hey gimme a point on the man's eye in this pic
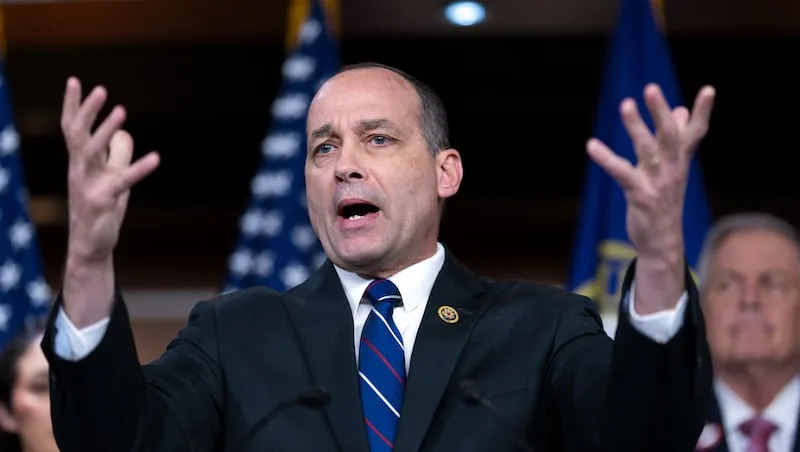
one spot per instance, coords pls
(324, 148)
(380, 140)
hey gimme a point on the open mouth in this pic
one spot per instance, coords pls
(356, 210)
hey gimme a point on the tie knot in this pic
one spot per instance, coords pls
(758, 428)
(383, 292)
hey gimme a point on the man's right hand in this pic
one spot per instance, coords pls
(99, 181)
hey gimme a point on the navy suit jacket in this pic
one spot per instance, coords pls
(713, 438)
(538, 353)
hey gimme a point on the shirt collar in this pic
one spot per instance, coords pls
(782, 411)
(414, 282)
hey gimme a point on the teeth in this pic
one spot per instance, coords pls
(355, 217)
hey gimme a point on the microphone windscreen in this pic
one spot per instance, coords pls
(316, 397)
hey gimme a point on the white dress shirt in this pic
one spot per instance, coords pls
(782, 412)
(414, 283)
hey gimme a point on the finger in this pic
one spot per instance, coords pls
(99, 142)
(681, 117)
(72, 102)
(617, 167)
(643, 141)
(87, 113)
(701, 113)
(138, 171)
(120, 150)
(666, 128)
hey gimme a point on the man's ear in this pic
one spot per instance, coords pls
(7, 420)
(449, 172)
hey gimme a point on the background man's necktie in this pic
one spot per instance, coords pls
(758, 430)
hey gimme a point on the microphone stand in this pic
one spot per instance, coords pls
(315, 397)
(473, 396)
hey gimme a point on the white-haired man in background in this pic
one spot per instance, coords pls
(750, 290)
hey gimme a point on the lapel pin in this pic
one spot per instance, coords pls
(448, 314)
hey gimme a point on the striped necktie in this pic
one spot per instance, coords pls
(381, 366)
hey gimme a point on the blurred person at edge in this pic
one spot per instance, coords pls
(25, 396)
(750, 290)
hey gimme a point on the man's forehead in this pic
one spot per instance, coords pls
(368, 76)
(755, 240)
(779, 252)
(364, 83)
(363, 94)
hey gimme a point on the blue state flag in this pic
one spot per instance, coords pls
(276, 245)
(602, 251)
(24, 294)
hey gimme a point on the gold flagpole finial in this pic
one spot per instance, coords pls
(2, 34)
(298, 11)
(658, 13)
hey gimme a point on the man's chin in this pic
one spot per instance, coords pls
(752, 357)
(358, 260)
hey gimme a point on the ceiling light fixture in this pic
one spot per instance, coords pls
(465, 13)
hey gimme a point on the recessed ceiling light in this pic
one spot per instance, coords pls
(465, 13)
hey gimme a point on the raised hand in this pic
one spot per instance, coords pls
(655, 189)
(99, 180)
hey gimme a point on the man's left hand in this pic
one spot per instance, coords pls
(655, 189)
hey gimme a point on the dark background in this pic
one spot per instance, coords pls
(521, 104)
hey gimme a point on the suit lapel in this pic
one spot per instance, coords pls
(324, 322)
(437, 349)
(796, 436)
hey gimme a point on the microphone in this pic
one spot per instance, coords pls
(473, 396)
(315, 397)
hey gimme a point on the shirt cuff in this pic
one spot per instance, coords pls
(659, 326)
(73, 344)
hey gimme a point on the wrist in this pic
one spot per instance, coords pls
(81, 254)
(88, 289)
(671, 259)
(659, 281)
(661, 243)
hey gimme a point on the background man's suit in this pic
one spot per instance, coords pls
(538, 353)
(713, 437)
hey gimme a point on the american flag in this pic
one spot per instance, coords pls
(277, 247)
(24, 294)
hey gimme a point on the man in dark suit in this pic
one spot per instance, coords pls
(418, 353)
(750, 281)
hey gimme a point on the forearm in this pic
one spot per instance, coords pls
(634, 393)
(659, 391)
(99, 402)
(108, 401)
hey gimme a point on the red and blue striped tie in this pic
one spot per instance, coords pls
(381, 366)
